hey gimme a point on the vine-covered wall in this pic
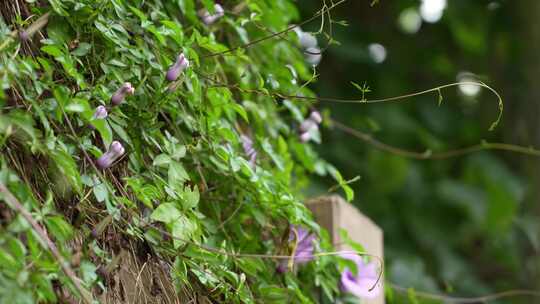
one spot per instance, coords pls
(160, 128)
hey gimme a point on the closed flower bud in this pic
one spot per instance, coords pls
(120, 94)
(307, 40)
(305, 137)
(307, 125)
(311, 123)
(176, 69)
(209, 19)
(108, 158)
(100, 113)
(316, 117)
(313, 55)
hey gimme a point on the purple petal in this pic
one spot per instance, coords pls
(100, 113)
(304, 255)
(116, 148)
(304, 246)
(368, 270)
(297, 230)
(359, 286)
(352, 256)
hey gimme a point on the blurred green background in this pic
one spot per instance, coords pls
(468, 225)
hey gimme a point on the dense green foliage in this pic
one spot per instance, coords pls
(185, 194)
(184, 179)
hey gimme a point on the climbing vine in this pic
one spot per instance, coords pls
(177, 134)
(113, 142)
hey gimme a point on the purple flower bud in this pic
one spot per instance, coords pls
(282, 267)
(313, 55)
(316, 117)
(307, 40)
(120, 94)
(209, 19)
(307, 125)
(177, 68)
(100, 113)
(108, 158)
(305, 137)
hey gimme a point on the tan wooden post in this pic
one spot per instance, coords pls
(333, 212)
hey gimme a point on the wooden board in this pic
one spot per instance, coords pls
(334, 213)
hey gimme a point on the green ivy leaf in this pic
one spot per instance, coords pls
(52, 50)
(166, 213)
(69, 169)
(162, 160)
(177, 174)
(191, 197)
(82, 49)
(182, 229)
(59, 228)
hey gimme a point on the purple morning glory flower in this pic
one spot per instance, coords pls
(209, 19)
(100, 113)
(304, 247)
(360, 284)
(247, 145)
(120, 94)
(176, 69)
(108, 158)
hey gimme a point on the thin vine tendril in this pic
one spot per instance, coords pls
(469, 300)
(428, 154)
